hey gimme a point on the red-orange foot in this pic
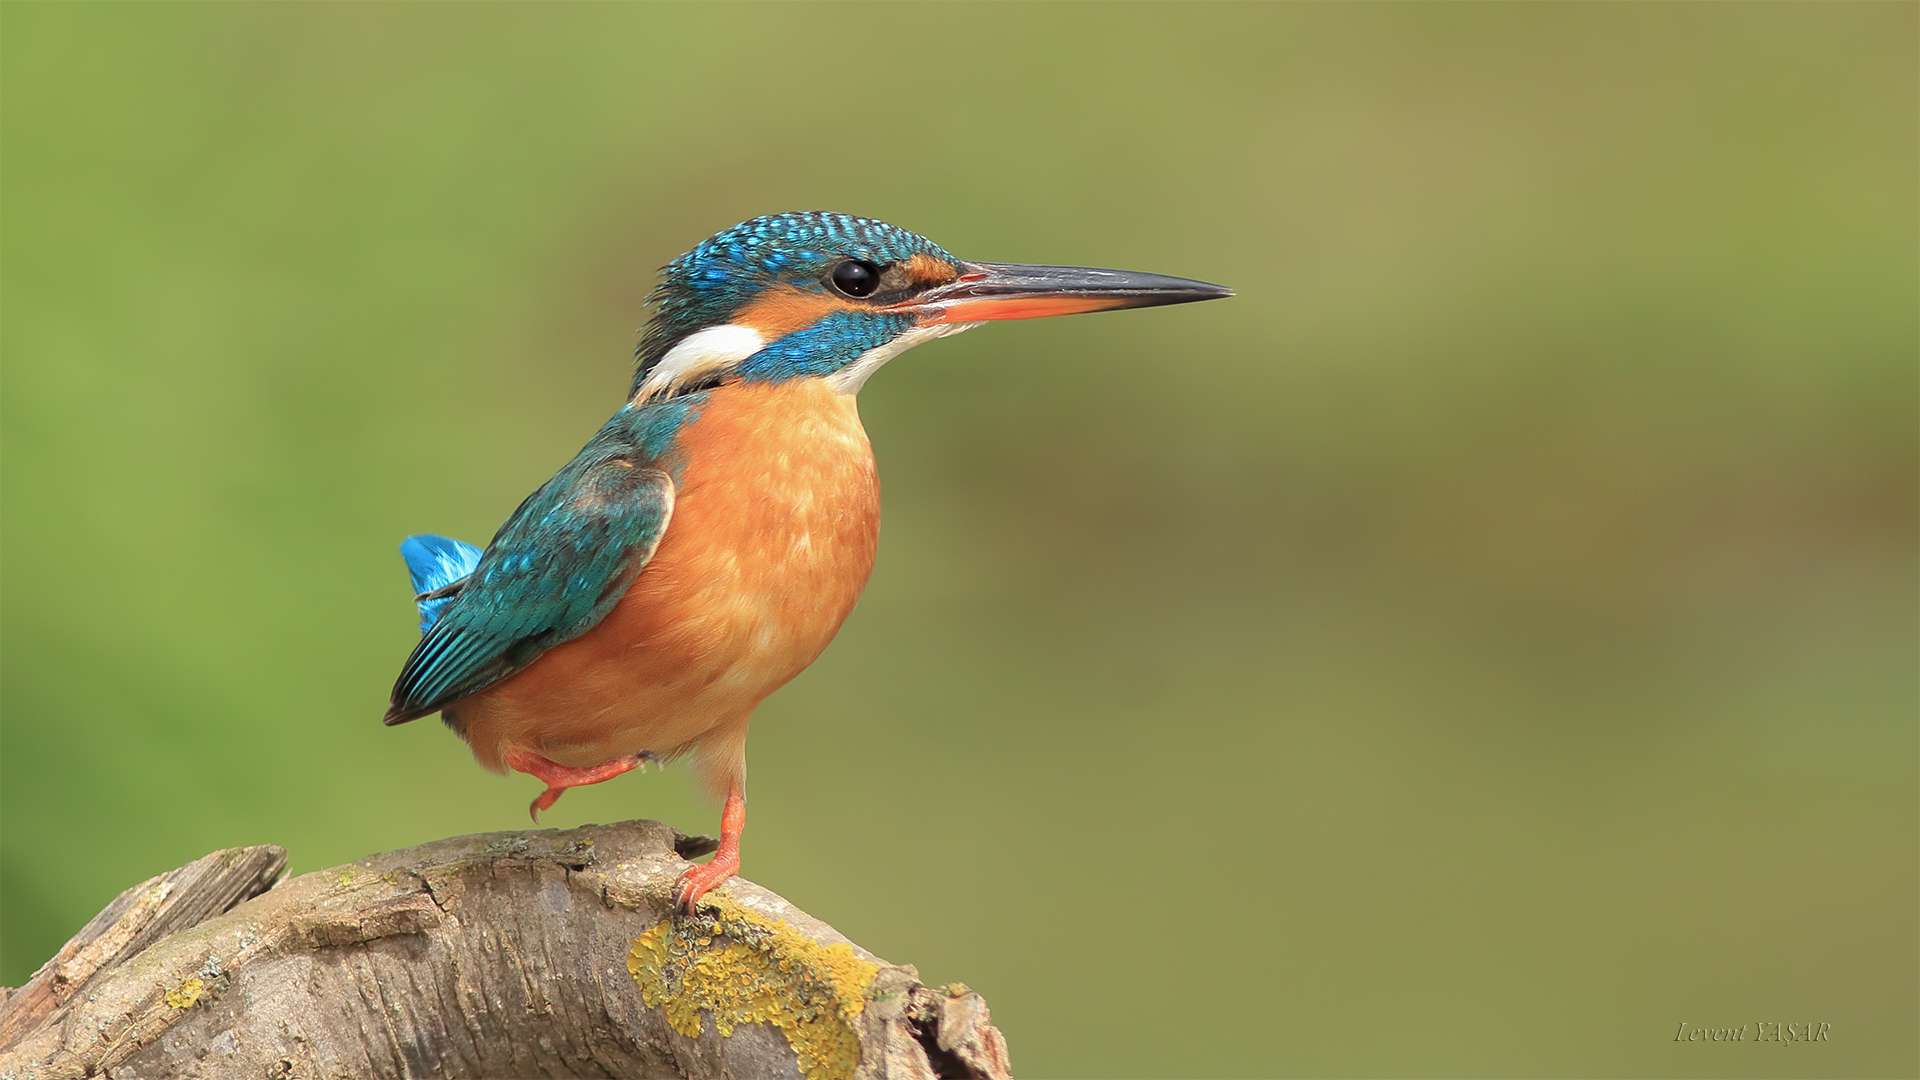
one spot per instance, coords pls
(559, 778)
(698, 881)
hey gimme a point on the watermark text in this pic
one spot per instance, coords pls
(1764, 1031)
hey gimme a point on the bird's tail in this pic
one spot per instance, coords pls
(439, 565)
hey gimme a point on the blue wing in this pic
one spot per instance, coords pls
(554, 570)
(438, 565)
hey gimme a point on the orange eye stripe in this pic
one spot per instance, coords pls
(924, 269)
(783, 309)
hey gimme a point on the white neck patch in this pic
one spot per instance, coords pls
(699, 354)
(849, 379)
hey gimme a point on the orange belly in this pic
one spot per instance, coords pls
(775, 522)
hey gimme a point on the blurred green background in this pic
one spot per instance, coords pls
(1482, 646)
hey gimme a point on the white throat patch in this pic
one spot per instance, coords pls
(698, 354)
(849, 379)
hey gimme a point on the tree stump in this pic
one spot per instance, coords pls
(520, 954)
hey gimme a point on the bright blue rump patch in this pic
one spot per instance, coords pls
(436, 562)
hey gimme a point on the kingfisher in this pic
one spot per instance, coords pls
(708, 541)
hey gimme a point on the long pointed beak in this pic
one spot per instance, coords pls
(987, 291)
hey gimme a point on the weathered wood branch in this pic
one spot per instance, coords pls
(545, 953)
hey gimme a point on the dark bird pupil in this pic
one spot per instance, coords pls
(856, 278)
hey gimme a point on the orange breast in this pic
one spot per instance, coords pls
(775, 523)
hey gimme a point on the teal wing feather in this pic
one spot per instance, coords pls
(555, 569)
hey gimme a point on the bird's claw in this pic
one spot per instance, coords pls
(702, 878)
(559, 778)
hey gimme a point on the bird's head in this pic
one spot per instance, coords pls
(835, 296)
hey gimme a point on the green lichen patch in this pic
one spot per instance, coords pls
(746, 969)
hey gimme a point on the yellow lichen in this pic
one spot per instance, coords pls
(186, 995)
(745, 969)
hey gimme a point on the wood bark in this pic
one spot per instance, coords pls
(541, 953)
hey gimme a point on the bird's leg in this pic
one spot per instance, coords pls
(700, 879)
(559, 778)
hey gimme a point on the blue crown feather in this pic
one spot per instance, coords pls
(436, 562)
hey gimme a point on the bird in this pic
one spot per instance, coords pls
(707, 543)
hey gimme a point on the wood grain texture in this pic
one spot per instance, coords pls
(138, 917)
(495, 955)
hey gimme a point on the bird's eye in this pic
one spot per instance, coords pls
(856, 278)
